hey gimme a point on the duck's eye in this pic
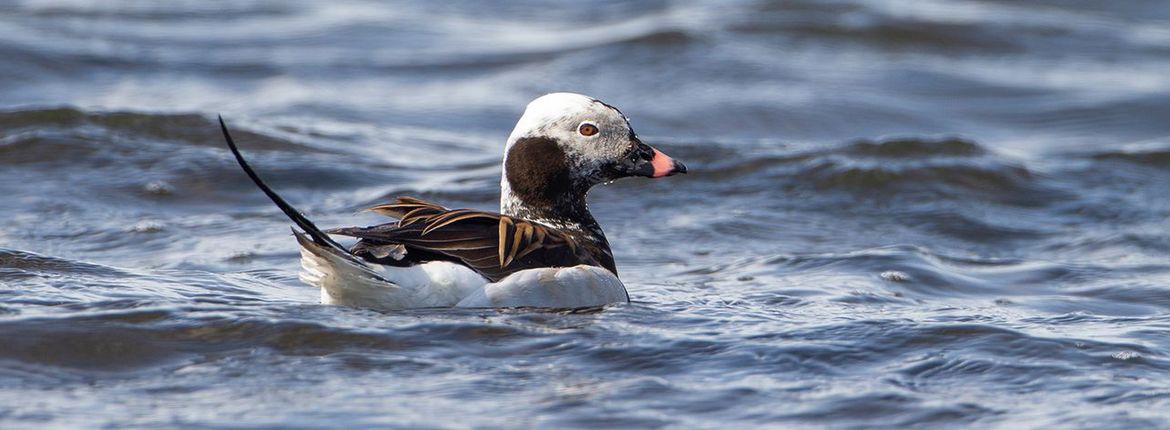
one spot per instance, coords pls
(588, 129)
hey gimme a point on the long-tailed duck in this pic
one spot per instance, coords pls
(544, 248)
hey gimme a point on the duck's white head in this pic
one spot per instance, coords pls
(564, 144)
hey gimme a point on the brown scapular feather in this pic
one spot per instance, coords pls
(492, 244)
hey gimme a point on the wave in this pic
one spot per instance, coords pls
(1151, 158)
(944, 167)
(180, 157)
(913, 169)
(906, 147)
(907, 275)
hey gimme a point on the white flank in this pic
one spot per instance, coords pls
(344, 281)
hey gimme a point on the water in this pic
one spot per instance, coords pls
(931, 213)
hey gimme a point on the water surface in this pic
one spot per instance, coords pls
(934, 213)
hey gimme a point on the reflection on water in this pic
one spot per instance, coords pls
(932, 213)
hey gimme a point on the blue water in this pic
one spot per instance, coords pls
(932, 213)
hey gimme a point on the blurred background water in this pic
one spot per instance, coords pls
(931, 213)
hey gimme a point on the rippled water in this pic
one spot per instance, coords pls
(933, 213)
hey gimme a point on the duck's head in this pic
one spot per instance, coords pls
(565, 143)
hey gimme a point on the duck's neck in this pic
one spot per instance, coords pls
(569, 213)
(537, 185)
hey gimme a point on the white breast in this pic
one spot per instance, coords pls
(551, 287)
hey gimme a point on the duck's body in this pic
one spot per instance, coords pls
(446, 284)
(544, 249)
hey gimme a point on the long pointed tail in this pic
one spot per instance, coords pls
(319, 237)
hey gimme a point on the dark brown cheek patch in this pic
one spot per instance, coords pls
(537, 170)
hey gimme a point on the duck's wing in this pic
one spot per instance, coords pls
(492, 244)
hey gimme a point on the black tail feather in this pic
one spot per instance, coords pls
(315, 233)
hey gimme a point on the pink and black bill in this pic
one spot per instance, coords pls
(645, 160)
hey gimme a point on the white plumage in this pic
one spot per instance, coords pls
(444, 284)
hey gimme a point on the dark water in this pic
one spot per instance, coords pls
(932, 213)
